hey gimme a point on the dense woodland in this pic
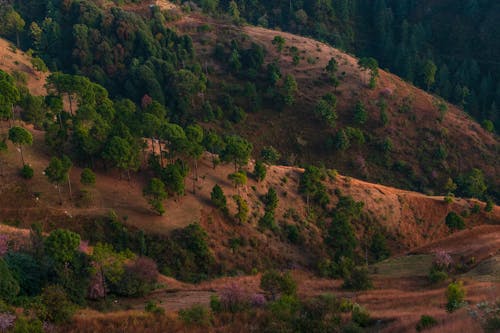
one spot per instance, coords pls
(455, 40)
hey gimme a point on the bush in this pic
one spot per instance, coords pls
(152, 307)
(26, 172)
(197, 315)
(360, 316)
(9, 286)
(425, 323)
(139, 278)
(454, 221)
(455, 295)
(358, 279)
(57, 306)
(437, 276)
(87, 177)
(276, 283)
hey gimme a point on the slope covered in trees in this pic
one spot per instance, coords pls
(447, 47)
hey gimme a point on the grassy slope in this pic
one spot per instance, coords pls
(415, 134)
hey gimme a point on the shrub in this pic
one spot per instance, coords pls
(57, 306)
(425, 323)
(26, 172)
(219, 199)
(489, 206)
(455, 295)
(87, 177)
(197, 315)
(233, 298)
(152, 307)
(360, 316)
(437, 276)
(139, 278)
(9, 286)
(6, 321)
(454, 221)
(358, 279)
(276, 283)
(23, 325)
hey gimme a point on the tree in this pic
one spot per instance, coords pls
(271, 200)
(454, 221)
(59, 308)
(9, 287)
(20, 137)
(291, 88)
(237, 150)
(360, 113)
(62, 245)
(233, 10)
(429, 73)
(238, 178)
(332, 66)
(455, 294)
(276, 283)
(9, 95)
(57, 173)
(242, 209)
(13, 23)
(270, 155)
(259, 171)
(473, 184)
(372, 65)
(326, 112)
(119, 152)
(214, 144)
(155, 193)
(194, 134)
(87, 177)
(218, 198)
(279, 42)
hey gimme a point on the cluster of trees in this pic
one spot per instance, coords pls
(53, 274)
(413, 42)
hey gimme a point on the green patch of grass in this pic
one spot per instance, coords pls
(407, 266)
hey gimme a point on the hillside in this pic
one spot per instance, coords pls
(177, 171)
(416, 128)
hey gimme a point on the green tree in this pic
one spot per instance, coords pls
(237, 150)
(57, 172)
(259, 171)
(155, 193)
(233, 10)
(291, 88)
(372, 65)
(473, 184)
(241, 209)
(279, 42)
(360, 113)
(194, 134)
(325, 111)
(9, 95)
(215, 145)
(9, 286)
(276, 284)
(238, 178)
(121, 154)
(455, 294)
(87, 177)
(218, 198)
(13, 24)
(270, 199)
(62, 245)
(429, 73)
(20, 137)
(59, 308)
(270, 155)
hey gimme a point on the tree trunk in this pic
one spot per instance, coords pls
(69, 187)
(70, 104)
(60, 196)
(22, 156)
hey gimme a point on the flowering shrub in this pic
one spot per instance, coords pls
(442, 260)
(6, 321)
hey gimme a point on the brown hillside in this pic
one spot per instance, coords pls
(416, 127)
(12, 60)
